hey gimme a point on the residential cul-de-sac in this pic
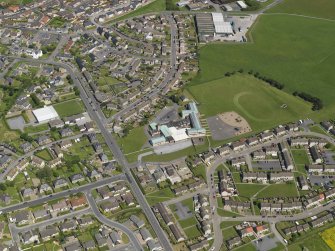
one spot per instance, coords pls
(167, 125)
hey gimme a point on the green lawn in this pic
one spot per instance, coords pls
(188, 222)
(192, 232)
(155, 6)
(292, 50)
(35, 129)
(279, 190)
(171, 156)
(248, 190)
(199, 171)
(69, 108)
(133, 141)
(44, 154)
(160, 196)
(319, 8)
(300, 156)
(253, 99)
(7, 135)
(317, 129)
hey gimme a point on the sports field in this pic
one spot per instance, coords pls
(319, 8)
(292, 50)
(69, 108)
(260, 104)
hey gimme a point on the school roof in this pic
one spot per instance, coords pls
(45, 114)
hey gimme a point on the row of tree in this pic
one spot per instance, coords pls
(317, 103)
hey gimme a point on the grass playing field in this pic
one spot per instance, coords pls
(256, 101)
(69, 108)
(320, 8)
(292, 50)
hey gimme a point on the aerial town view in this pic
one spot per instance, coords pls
(168, 125)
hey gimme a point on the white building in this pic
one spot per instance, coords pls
(45, 114)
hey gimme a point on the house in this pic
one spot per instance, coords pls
(280, 131)
(315, 154)
(45, 188)
(259, 155)
(208, 157)
(60, 206)
(252, 141)
(329, 168)
(233, 242)
(299, 142)
(20, 218)
(163, 212)
(59, 183)
(56, 123)
(154, 246)
(261, 229)
(238, 162)
(115, 237)
(199, 246)
(57, 151)
(330, 193)
(145, 234)
(223, 150)
(245, 232)
(101, 241)
(87, 220)
(29, 237)
(65, 144)
(38, 162)
(266, 136)
(94, 174)
(176, 233)
(103, 157)
(27, 192)
(110, 205)
(104, 192)
(41, 140)
(265, 207)
(77, 178)
(48, 232)
(26, 147)
(315, 168)
(238, 146)
(88, 245)
(97, 147)
(55, 162)
(302, 183)
(77, 202)
(65, 132)
(327, 125)
(292, 127)
(68, 225)
(12, 174)
(39, 214)
(5, 198)
(281, 177)
(314, 200)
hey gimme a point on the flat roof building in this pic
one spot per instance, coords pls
(45, 114)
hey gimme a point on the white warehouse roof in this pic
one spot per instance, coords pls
(242, 4)
(220, 25)
(45, 114)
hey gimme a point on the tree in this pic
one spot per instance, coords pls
(2, 187)
(26, 137)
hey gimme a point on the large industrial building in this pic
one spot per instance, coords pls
(45, 114)
(211, 26)
(189, 126)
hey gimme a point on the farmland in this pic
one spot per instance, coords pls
(292, 50)
(329, 237)
(257, 102)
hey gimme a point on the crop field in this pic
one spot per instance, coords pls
(289, 49)
(329, 237)
(320, 8)
(256, 101)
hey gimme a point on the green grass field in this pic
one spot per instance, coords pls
(133, 141)
(69, 108)
(259, 103)
(279, 190)
(44, 154)
(155, 6)
(300, 156)
(320, 8)
(248, 190)
(292, 50)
